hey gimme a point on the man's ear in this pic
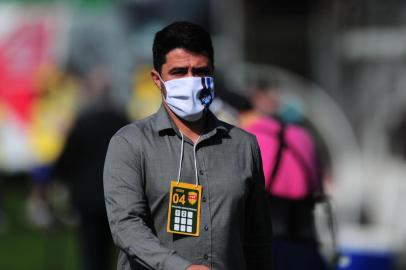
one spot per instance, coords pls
(156, 79)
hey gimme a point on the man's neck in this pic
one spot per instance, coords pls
(192, 130)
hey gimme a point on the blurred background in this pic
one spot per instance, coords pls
(70, 69)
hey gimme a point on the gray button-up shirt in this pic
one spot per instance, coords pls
(235, 226)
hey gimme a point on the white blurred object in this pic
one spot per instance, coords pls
(15, 151)
(369, 238)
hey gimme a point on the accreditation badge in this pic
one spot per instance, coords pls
(184, 209)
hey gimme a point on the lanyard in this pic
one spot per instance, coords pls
(181, 159)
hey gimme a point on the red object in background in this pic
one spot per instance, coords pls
(21, 54)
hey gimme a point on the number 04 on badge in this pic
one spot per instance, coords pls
(184, 209)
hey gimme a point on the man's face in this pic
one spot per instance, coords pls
(182, 63)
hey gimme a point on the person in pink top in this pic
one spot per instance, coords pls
(297, 174)
(292, 179)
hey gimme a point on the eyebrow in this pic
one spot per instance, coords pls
(177, 70)
(202, 70)
(197, 70)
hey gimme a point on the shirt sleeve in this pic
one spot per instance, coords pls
(128, 212)
(258, 229)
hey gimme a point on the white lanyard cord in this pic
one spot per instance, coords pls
(181, 159)
(194, 155)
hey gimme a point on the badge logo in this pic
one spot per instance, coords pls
(192, 198)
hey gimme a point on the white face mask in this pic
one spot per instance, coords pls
(188, 97)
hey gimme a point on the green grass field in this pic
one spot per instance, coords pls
(23, 247)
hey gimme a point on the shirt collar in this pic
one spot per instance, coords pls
(163, 122)
(213, 124)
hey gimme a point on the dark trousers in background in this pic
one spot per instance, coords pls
(288, 255)
(95, 240)
(295, 244)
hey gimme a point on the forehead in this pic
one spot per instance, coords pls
(183, 58)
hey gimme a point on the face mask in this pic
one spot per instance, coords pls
(188, 97)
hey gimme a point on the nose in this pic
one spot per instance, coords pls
(189, 73)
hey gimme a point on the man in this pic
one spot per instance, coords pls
(81, 163)
(183, 149)
(292, 178)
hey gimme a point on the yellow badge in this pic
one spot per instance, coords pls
(184, 209)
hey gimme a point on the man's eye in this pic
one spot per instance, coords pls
(178, 72)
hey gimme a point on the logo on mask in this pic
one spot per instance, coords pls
(206, 96)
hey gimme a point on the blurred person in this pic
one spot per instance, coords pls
(51, 113)
(184, 150)
(292, 178)
(38, 208)
(81, 166)
(3, 217)
(291, 111)
(397, 136)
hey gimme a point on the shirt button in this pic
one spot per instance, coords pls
(206, 228)
(206, 256)
(201, 172)
(204, 199)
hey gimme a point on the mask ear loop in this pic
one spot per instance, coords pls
(160, 78)
(162, 81)
(181, 158)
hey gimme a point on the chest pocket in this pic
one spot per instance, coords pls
(162, 167)
(228, 174)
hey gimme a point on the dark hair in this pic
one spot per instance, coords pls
(184, 35)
